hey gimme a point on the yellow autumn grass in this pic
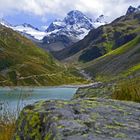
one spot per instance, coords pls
(8, 117)
(128, 90)
(7, 122)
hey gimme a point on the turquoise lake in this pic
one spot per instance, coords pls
(14, 98)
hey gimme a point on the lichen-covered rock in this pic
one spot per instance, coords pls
(80, 119)
(99, 90)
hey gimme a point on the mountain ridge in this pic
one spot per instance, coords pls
(60, 33)
(74, 27)
(25, 29)
(103, 39)
(132, 9)
(22, 63)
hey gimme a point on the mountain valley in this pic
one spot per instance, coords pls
(82, 75)
(111, 49)
(22, 63)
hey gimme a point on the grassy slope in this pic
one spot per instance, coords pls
(120, 72)
(128, 90)
(104, 39)
(123, 61)
(22, 63)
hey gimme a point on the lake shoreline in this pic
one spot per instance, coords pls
(59, 86)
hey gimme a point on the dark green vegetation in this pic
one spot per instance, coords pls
(79, 119)
(121, 62)
(22, 63)
(109, 52)
(124, 89)
(104, 39)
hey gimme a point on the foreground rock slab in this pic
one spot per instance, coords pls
(81, 119)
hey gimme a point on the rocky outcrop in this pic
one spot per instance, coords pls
(79, 119)
(97, 90)
(103, 39)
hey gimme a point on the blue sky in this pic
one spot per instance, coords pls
(43, 12)
(23, 17)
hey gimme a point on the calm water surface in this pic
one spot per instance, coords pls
(20, 97)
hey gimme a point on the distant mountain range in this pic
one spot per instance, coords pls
(74, 27)
(60, 33)
(26, 29)
(110, 49)
(99, 41)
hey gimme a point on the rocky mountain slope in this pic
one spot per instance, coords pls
(74, 27)
(132, 9)
(23, 63)
(104, 39)
(60, 33)
(123, 61)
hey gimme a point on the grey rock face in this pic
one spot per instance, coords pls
(132, 9)
(73, 27)
(80, 119)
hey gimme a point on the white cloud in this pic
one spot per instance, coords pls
(45, 8)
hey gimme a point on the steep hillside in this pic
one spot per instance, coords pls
(22, 63)
(123, 61)
(104, 39)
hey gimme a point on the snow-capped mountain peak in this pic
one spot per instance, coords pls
(29, 30)
(77, 17)
(73, 21)
(55, 25)
(26, 29)
(101, 20)
(60, 33)
(74, 27)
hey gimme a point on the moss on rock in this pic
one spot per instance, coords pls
(79, 119)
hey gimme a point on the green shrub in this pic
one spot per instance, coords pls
(128, 90)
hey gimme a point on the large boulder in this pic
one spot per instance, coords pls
(79, 119)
